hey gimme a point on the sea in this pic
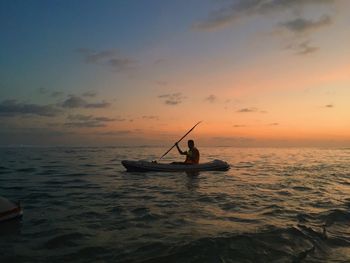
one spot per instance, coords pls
(81, 205)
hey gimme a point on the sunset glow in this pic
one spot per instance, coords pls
(144, 72)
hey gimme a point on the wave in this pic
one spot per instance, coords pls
(289, 206)
(26, 170)
(71, 239)
(294, 244)
(304, 242)
(280, 245)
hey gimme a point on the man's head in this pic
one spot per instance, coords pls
(190, 144)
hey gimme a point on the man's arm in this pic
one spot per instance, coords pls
(178, 148)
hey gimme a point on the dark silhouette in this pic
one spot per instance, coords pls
(180, 140)
(192, 155)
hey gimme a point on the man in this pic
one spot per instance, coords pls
(192, 155)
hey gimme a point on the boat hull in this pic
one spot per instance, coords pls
(9, 210)
(146, 166)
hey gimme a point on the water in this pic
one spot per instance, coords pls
(274, 205)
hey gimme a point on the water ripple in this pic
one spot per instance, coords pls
(274, 205)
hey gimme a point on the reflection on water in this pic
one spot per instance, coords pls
(192, 180)
(274, 205)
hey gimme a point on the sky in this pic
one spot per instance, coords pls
(130, 72)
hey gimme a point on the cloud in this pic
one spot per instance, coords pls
(172, 98)
(95, 57)
(302, 48)
(150, 117)
(108, 58)
(236, 10)
(87, 121)
(211, 98)
(74, 102)
(227, 15)
(89, 94)
(239, 125)
(273, 124)
(34, 131)
(329, 106)
(122, 119)
(12, 108)
(101, 104)
(301, 25)
(77, 102)
(85, 124)
(81, 117)
(45, 91)
(244, 110)
(120, 64)
(115, 133)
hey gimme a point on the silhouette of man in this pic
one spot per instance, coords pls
(192, 155)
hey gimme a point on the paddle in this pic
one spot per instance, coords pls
(180, 140)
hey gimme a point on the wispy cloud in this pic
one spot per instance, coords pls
(301, 25)
(48, 92)
(12, 108)
(81, 117)
(239, 125)
(89, 94)
(244, 110)
(238, 9)
(95, 57)
(77, 102)
(302, 48)
(273, 124)
(87, 121)
(329, 106)
(211, 98)
(172, 98)
(121, 64)
(110, 58)
(37, 132)
(115, 133)
(150, 117)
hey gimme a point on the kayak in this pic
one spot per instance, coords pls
(146, 166)
(9, 210)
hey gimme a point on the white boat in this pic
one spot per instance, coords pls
(9, 210)
(146, 166)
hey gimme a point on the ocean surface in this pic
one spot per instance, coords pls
(80, 205)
